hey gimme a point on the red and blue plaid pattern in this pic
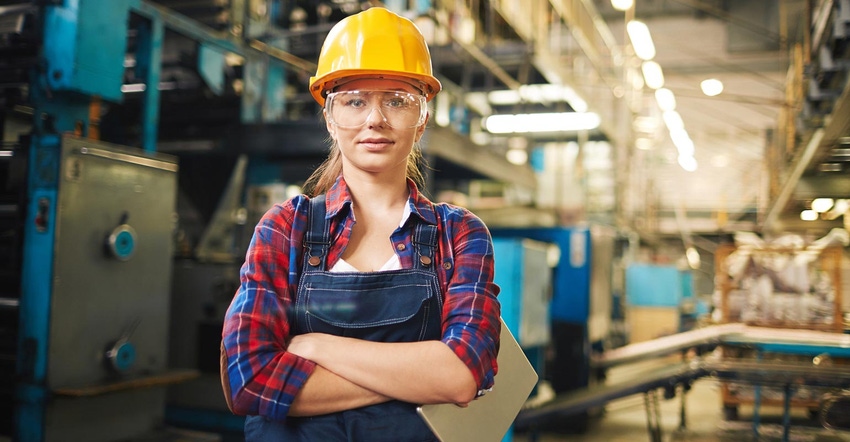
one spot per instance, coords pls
(264, 378)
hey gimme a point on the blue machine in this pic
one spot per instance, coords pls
(580, 307)
(524, 275)
(96, 218)
(523, 272)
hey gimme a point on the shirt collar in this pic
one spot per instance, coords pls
(339, 199)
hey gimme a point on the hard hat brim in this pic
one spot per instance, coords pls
(321, 86)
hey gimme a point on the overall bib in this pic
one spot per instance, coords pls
(391, 306)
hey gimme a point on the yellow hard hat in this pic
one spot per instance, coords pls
(375, 42)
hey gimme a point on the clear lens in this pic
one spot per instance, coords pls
(400, 110)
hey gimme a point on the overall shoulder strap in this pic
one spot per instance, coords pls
(425, 242)
(317, 237)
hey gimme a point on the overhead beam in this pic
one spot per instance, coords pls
(800, 166)
(451, 146)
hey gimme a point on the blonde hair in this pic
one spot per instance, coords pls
(324, 177)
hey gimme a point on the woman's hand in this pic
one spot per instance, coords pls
(417, 372)
(306, 345)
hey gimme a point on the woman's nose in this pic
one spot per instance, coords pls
(376, 117)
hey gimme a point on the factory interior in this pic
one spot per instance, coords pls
(666, 182)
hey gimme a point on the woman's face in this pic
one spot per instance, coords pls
(380, 144)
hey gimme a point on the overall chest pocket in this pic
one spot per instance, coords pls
(395, 306)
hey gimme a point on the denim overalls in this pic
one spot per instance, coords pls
(391, 306)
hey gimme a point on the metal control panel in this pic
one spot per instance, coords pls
(112, 263)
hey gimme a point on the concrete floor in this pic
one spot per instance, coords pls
(625, 420)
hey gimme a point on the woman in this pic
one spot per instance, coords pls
(366, 299)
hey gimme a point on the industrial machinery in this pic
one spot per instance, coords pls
(524, 274)
(87, 225)
(93, 337)
(580, 311)
(785, 375)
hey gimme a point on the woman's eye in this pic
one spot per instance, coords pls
(355, 102)
(396, 102)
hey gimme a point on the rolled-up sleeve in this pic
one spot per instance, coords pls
(471, 309)
(263, 377)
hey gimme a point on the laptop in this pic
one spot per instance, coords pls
(489, 417)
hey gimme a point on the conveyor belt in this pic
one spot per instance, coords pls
(785, 375)
(577, 401)
(757, 373)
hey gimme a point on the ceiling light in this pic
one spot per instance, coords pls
(538, 93)
(830, 167)
(682, 141)
(517, 156)
(641, 40)
(622, 5)
(643, 143)
(688, 162)
(442, 111)
(692, 256)
(821, 205)
(673, 120)
(543, 122)
(808, 215)
(711, 87)
(505, 97)
(665, 98)
(652, 74)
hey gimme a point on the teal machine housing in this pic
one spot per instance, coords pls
(523, 273)
(580, 305)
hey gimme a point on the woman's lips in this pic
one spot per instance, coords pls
(375, 143)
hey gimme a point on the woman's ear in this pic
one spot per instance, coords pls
(329, 126)
(421, 129)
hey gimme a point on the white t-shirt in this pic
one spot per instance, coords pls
(392, 264)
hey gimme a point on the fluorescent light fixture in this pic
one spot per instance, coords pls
(641, 40)
(643, 143)
(684, 144)
(442, 111)
(645, 124)
(711, 87)
(673, 120)
(622, 5)
(517, 156)
(821, 205)
(538, 93)
(652, 74)
(688, 162)
(543, 122)
(665, 98)
(692, 256)
(808, 215)
(503, 98)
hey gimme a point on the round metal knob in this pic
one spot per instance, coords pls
(121, 243)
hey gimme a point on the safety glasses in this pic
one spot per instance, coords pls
(399, 110)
